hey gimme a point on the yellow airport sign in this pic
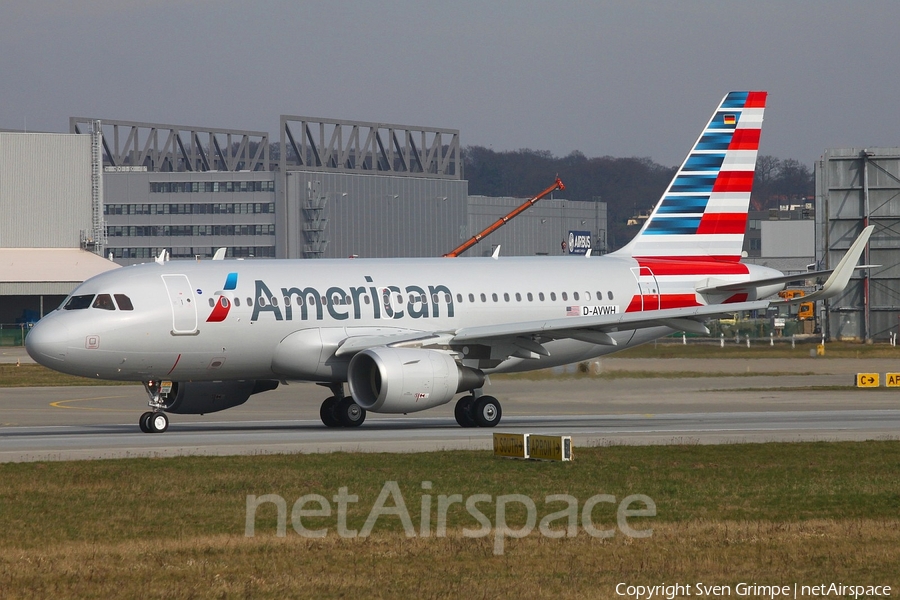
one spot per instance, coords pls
(513, 445)
(892, 379)
(867, 380)
(550, 447)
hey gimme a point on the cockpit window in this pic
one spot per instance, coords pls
(79, 302)
(104, 301)
(124, 302)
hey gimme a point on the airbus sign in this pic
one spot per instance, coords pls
(579, 242)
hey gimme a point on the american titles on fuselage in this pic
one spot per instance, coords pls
(366, 302)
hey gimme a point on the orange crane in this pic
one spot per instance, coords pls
(557, 185)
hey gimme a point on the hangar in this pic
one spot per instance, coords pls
(856, 187)
(327, 189)
(49, 186)
(115, 192)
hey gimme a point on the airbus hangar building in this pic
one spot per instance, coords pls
(114, 193)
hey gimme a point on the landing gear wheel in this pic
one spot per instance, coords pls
(158, 422)
(144, 422)
(463, 412)
(328, 414)
(349, 413)
(486, 411)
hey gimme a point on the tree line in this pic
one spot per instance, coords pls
(629, 186)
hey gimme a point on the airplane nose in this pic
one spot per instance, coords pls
(47, 342)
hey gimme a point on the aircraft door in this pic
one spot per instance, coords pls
(648, 288)
(184, 308)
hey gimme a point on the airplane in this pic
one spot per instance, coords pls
(409, 334)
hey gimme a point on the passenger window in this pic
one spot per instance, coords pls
(459, 297)
(530, 297)
(249, 301)
(575, 295)
(79, 302)
(541, 296)
(471, 297)
(212, 302)
(123, 301)
(237, 301)
(599, 295)
(494, 297)
(104, 301)
(609, 294)
(483, 298)
(553, 296)
(505, 297)
(565, 296)
(518, 297)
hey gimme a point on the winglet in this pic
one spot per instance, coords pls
(839, 279)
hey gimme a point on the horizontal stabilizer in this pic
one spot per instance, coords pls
(839, 279)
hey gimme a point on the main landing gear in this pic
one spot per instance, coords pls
(340, 410)
(154, 421)
(483, 411)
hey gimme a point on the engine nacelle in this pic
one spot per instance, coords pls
(402, 380)
(201, 397)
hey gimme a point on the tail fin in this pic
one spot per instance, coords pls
(703, 212)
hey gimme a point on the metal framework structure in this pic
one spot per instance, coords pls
(856, 188)
(176, 148)
(309, 143)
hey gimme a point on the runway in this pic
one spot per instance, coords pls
(101, 422)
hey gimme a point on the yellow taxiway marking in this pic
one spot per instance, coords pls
(62, 403)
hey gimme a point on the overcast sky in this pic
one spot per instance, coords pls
(628, 78)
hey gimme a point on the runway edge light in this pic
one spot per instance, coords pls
(550, 447)
(511, 445)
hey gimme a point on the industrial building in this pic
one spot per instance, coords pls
(49, 189)
(856, 187)
(125, 191)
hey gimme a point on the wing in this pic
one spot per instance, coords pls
(596, 329)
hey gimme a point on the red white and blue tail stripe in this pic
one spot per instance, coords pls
(703, 213)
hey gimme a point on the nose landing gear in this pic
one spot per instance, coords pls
(155, 421)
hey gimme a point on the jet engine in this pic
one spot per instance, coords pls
(201, 397)
(402, 380)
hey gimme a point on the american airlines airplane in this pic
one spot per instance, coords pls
(410, 334)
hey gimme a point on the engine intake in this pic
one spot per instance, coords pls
(201, 397)
(402, 380)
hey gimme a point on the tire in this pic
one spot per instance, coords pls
(144, 422)
(158, 422)
(349, 413)
(328, 414)
(463, 412)
(487, 411)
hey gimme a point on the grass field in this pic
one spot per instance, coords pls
(765, 513)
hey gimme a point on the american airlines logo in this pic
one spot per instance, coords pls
(223, 304)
